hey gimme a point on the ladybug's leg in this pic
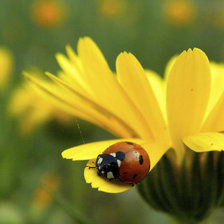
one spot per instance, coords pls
(90, 167)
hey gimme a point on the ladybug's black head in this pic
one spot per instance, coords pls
(107, 166)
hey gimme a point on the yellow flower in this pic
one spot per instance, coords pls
(48, 13)
(6, 66)
(31, 110)
(179, 12)
(138, 106)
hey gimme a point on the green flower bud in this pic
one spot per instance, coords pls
(189, 192)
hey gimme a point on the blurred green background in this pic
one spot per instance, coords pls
(31, 32)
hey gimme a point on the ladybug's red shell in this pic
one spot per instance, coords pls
(136, 163)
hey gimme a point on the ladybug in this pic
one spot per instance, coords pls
(125, 161)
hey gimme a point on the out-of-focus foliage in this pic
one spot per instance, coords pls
(32, 31)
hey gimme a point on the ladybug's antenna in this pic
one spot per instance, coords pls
(80, 131)
(83, 141)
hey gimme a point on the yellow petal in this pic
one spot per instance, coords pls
(215, 119)
(169, 66)
(75, 79)
(72, 104)
(113, 186)
(155, 152)
(105, 117)
(92, 150)
(107, 89)
(88, 151)
(204, 142)
(217, 74)
(158, 87)
(56, 96)
(71, 101)
(134, 80)
(74, 58)
(73, 76)
(188, 90)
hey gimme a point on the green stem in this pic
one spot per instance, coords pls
(73, 212)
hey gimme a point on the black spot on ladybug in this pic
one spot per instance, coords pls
(129, 143)
(120, 155)
(135, 175)
(140, 159)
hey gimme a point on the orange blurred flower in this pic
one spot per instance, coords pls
(123, 12)
(111, 7)
(49, 13)
(42, 195)
(179, 12)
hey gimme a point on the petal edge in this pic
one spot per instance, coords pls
(204, 142)
(102, 184)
